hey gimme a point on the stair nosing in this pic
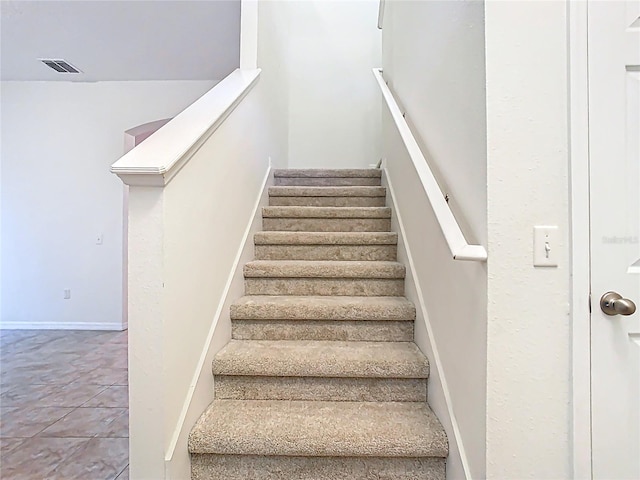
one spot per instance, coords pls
(303, 212)
(328, 173)
(325, 238)
(348, 269)
(319, 429)
(325, 359)
(352, 191)
(348, 308)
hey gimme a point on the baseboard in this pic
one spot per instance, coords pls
(61, 326)
(413, 292)
(177, 462)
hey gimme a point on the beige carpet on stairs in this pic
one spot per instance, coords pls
(321, 380)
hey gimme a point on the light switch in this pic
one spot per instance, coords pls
(545, 246)
(99, 239)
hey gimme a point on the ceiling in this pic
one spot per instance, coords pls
(120, 39)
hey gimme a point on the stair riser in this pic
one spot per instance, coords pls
(327, 224)
(363, 331)
(327, 201)
(321, 389)
(326, 252)
(254, 467)
(327, 181)
(325, 286)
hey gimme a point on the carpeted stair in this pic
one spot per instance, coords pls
(321, 380)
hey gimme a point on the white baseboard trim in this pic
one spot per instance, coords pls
(419, 302)
(61, 326)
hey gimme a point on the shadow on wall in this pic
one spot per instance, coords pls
(136, 135)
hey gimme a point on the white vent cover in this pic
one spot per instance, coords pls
(59, 65)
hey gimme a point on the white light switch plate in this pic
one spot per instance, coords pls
(545, 246)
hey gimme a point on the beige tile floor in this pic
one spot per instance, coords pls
(63, 405)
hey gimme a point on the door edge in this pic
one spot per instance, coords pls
(579, 202)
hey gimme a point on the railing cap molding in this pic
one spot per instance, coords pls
(158, 159)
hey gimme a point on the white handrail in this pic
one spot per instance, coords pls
(458, 245)
(380, 14)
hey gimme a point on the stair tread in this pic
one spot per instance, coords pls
(311, 191)
(321, 358)
(323, 269)
(326, 238)
(325, 212)
(328, 173)
(285, 307)
(319, 428)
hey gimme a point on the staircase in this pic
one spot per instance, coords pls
(321, 380)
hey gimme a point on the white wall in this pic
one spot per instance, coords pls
(433, 60)
(323, 53)
(272, 47)
(58, 141)
(528, 333)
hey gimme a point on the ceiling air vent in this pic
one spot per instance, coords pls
(60, 66)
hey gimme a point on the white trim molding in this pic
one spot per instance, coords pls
(156, 161)
(580, 248)
(458, 246)
(116, 326)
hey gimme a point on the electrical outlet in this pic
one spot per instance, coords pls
(67, 293)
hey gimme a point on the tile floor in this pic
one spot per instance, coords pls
(63, 405)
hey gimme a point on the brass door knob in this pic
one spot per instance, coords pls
(612, 303)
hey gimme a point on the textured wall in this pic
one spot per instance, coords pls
(528, 332)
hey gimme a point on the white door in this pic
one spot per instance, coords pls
(614, 146)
